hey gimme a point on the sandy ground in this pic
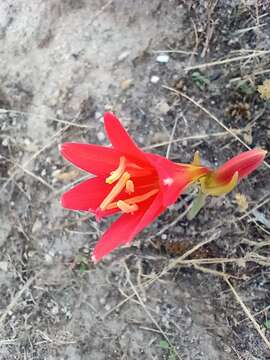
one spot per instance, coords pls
(63, 63)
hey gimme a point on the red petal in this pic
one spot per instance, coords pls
(86, 196)
(126, 227)
(121, 141)
(243, 163)
(173, 178)
(95, 159)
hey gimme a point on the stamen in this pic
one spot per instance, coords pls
(129, 186)
(135, 199)
(126, 208)
(119, 186)
(116, 174)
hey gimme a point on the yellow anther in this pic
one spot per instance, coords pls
(119, 186)
(126, 208)
(134, 199)
(129, 186)
(116, 174)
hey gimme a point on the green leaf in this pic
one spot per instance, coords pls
(83, 268)
(196, 206)
(200, 80)
(267, 324)
(172, 356)
(246, 87)
(163, 344)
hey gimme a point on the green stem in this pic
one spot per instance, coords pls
(197, 204)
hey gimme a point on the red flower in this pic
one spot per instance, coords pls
(137, 184)
(225, 178)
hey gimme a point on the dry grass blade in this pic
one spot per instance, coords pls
(50, 118)
(227, 61)
(102, 9)
(28, 172)
(174, 51)
(171, 138)
(262, 203)
(264, 310)
(193, 137)
(248, 313)
(175, 221)
(149, 314)
(212, 271)
(52, 140)
(16, 299)
(251, 75)
(172, 264)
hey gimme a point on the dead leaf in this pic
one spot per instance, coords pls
(66, 176)
(264, 89)
(126, 84)
(248, 136)
(241, 201)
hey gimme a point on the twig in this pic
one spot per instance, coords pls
(150, 315)
(180, 259)
(171, 138)
(251, 210)
(173, 51)
(103, 8)
(266, 308)
(227, 61)
(171, 265)
(175, 221)
(179, 93)
(15, 300)
(255, 73)
(50, 118)
(28, 172)
(193, 137)
(49, 143)
(241, 31)
(248, 313)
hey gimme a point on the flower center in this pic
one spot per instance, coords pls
(123, 181)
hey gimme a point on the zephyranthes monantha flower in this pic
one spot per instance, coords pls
(128, 181)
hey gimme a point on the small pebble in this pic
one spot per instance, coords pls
(5, 142)
(48, 259)
(163, 58)
(27, 142)
(56, 173)
(126, 84)
(123, 56)
(163, 236)
(102, 301)
(101, 136)
(4, 266)
(154, 79)
(164, 107)
(37, 226)
(98, 116)
(68, 314)
(55, 310)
